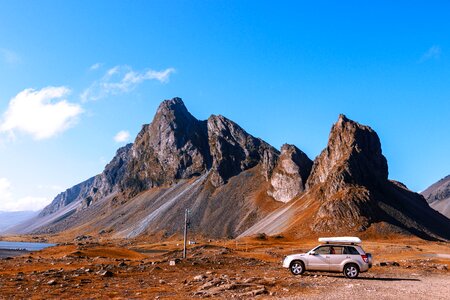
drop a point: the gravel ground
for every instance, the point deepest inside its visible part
(413, 286)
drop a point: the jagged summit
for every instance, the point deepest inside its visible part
(233, 150)
(353, 155)
(290, 174)
(173, 146)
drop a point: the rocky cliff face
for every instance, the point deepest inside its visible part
(233, 150)
(353, 156)
(348, 191)
(174, 146)
(438, 196)
(94, 188)
(178, 146)
(350, 165)
(73, 194)
(290, 174)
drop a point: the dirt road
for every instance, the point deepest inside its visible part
(386, 286)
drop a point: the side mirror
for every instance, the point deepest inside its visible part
(312, 253)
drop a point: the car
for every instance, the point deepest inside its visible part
(334, 254)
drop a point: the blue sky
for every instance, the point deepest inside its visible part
(73, 74)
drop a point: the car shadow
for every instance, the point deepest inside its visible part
(367, 278)
(387, 279)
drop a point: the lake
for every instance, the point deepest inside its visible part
(24, 245)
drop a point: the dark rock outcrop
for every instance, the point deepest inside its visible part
(290, 174)
(174, 146)
(233, 150)
(353, 156)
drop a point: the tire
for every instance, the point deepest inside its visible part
(297, 267)
(351, 270)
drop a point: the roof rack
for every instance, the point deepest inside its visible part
(342, 239)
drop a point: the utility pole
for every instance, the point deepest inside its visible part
(186, 223)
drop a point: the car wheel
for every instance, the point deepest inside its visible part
(351, 271)
(297, 267)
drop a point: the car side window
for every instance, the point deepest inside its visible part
(323, 250)
(351, 250)
(336, 250)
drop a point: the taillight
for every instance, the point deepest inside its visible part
(365, 258)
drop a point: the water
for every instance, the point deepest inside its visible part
(23, 245)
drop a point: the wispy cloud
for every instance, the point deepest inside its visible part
(122, 79)
(95, 66)
(40, 113)
(9, 56)
(122, 136)
(434, 52)
(10, 203)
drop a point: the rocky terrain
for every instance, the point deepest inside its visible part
(348, 190)
(438, 196)
(235, 184)
(244, 269)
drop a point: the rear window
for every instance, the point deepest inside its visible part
(350, 250)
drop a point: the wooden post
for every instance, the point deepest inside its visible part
(185, 232)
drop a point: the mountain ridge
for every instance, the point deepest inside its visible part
(233, 182)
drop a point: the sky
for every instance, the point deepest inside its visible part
(78, 79)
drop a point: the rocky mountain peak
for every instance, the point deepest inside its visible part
(233, 150)
(173, 146)
(353, 155)
(290, 174)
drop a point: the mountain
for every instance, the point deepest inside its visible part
(9, 219)
(235, 184)
(438, 196)
(348, 191)
(213, 167)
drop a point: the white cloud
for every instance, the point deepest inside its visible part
(36, 112)
(122, 79)
(122, 136)
(9, 203)
(8, 56)
(433, 53)
(95, 66)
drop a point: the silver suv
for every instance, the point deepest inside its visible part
(346, 257)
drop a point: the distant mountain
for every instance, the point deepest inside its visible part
(235, 184)
(9, 219)
(438, 196)
(348, 191)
